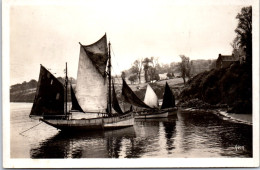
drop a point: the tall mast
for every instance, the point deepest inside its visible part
(66, 88)
(109, 81)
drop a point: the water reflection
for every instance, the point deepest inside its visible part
(203, 131)
(99, 144)
(156, 136)
(170, 132)
(187, 134)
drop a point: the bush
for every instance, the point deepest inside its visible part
(222, 86)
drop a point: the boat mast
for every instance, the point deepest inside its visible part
(66, 88)
(109, 81)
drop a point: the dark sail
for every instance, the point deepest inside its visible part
(115, 103)
(74, 101)
(168, 98)
(131, 97)
(49, 97)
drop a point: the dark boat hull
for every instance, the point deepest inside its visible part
(100, 123)
(172, 111)
(148, 115)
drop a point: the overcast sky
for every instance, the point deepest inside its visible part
(48, 34)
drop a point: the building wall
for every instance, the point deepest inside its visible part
(226, 64)
(224, 61)
(218, 63)
(163, 76)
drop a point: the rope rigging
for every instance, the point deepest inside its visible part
(30, 128)
(118, 79)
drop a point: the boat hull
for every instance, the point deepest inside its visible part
(172, 111)
(100, 123)
(163, 114)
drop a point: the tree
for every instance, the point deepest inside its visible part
(32, 84)
(132, 78)
(170, 75)
(151, 66)
(146, 66)
(165, 68)
(153, 70)
(123, 75)
(137, 68)
(243, 38)
(156, 77)
(153, 74)
(185, 67)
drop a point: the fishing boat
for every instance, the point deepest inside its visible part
(149, 108)
(94, 94)
(168, 103)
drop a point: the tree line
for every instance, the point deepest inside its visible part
(242, 43)
(151, 69)
(242, 48)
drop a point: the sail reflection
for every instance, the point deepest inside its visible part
(170, 132)
(99, 144)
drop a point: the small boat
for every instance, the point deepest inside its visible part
(147, 114)
(168, 103)
(94, 94)
(149, 108)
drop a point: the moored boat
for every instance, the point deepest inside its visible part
(149, 114)
(99, 123)
(171, 111)
(149, 108)
(94, 93)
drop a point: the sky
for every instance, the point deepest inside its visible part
(49, 33)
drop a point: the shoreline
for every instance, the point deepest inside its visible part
(237, 118)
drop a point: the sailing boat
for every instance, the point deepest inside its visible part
(168, 103)
(94, 93)
(149, 108)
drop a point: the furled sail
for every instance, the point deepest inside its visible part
(115, 103)
(49, 97)
(168, 98)
(131, 97)
(74, 101)
(91, 87)
(151, 98)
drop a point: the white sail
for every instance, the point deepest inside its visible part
(91, 87)
(151, 98)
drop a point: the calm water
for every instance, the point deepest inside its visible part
(188, 134)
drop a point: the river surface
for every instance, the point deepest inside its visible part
(185, 135)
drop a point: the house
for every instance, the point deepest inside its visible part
(224, 61)
(163, 76)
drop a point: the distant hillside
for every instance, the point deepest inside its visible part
(231, 86)
(25, 92)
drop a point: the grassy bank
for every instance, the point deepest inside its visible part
(230, 87)
(175, 84)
